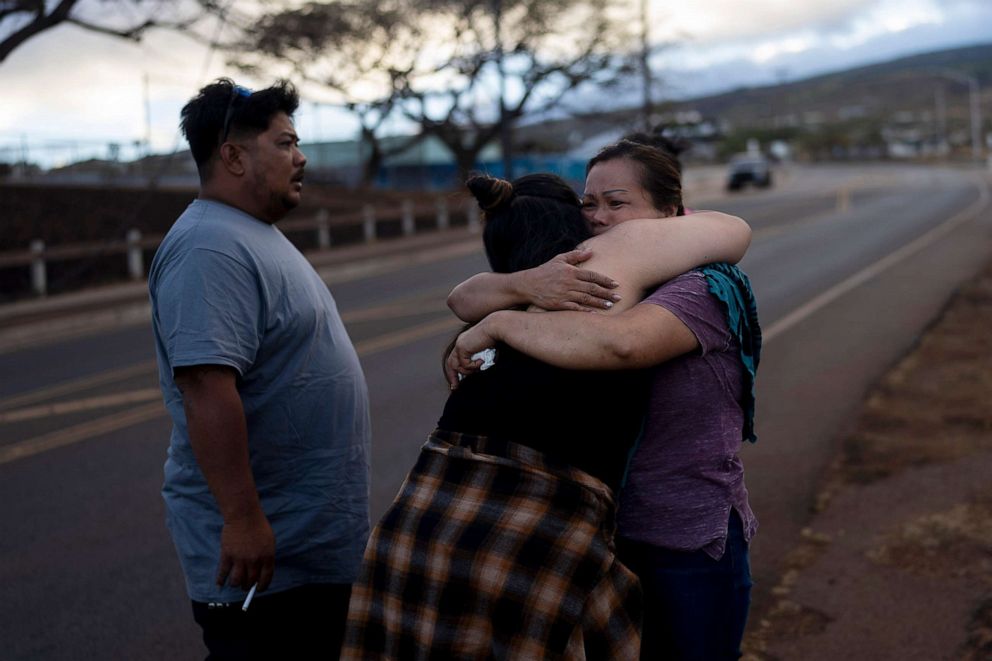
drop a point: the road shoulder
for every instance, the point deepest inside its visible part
(897, 560)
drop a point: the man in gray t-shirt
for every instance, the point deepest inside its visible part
(266, 481)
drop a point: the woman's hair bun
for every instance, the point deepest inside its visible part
(658, 140)
(490, 192)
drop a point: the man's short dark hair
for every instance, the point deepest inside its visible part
(250, 114)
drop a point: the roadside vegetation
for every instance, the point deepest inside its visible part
(930, 409)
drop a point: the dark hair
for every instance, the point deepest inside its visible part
(658, 140)
(528, 221)
(661, 175)
(203, 117)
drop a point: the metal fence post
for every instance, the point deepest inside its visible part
(135, 258)
(443, 220)
(323, 230)
(409, 225)
(474, 224)
(368, 224)
(39, 278)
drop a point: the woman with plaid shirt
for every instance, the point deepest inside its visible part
(684, 523)
(500, 542)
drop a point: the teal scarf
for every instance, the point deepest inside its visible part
(732, 288)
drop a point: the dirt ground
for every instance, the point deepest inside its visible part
(897, 561)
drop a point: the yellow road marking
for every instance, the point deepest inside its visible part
(434, 303)
(82, 383)
(864, 275)
(844, 199)
(780, 228)
(396, 339)
(75, 406)
(406, 336)
(80, 432)
(122, 420)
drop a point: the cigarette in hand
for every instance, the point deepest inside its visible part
(251, 594)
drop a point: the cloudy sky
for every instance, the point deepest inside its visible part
(68, 92)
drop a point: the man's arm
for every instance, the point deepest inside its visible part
(218, 433)
(558, 284)
(643, 336)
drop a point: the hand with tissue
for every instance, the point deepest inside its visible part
(474, 351)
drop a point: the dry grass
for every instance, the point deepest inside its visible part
(788, 619)
(979, 644)
(956, 542)
(934, 406)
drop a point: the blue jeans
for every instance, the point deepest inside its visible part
(695, 607)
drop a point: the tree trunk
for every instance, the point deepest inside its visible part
(374, 160)
(506, 144)
(372, 165)
(465, 160)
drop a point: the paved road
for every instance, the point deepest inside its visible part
(849, 265)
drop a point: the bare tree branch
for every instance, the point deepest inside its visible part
(40, 19)
(37, 25)
(464, 71)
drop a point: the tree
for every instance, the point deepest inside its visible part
(464, 71)
(20, 20)
(356, 49)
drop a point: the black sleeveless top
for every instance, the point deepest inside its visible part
(587, 419)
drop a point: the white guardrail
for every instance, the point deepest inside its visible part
(38, 255)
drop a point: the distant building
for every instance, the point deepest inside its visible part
(426, 164)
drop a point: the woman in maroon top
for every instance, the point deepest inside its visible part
(684, 521)
(500, 542)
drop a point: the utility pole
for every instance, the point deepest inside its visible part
(941, 103)
(148, 114)
(976, 119)
(974, 93)
(645, 67)
(505, 130)
(317, 135)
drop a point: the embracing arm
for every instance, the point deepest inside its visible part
(558, 284)
(642, 254)
(640, 337)
(638, 254)
(218, 433)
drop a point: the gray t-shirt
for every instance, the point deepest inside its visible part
(685, 475)
(228, 289)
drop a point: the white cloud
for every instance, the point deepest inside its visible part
(890, 16)
(769, 50)
(713, 21)
(771, 33)
(95, 94)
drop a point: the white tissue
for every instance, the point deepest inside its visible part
(487, 356)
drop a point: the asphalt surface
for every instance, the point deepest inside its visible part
(849, 265)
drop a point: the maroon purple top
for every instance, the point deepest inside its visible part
(685, 474)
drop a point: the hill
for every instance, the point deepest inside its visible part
(915, 92)
(906, 84)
